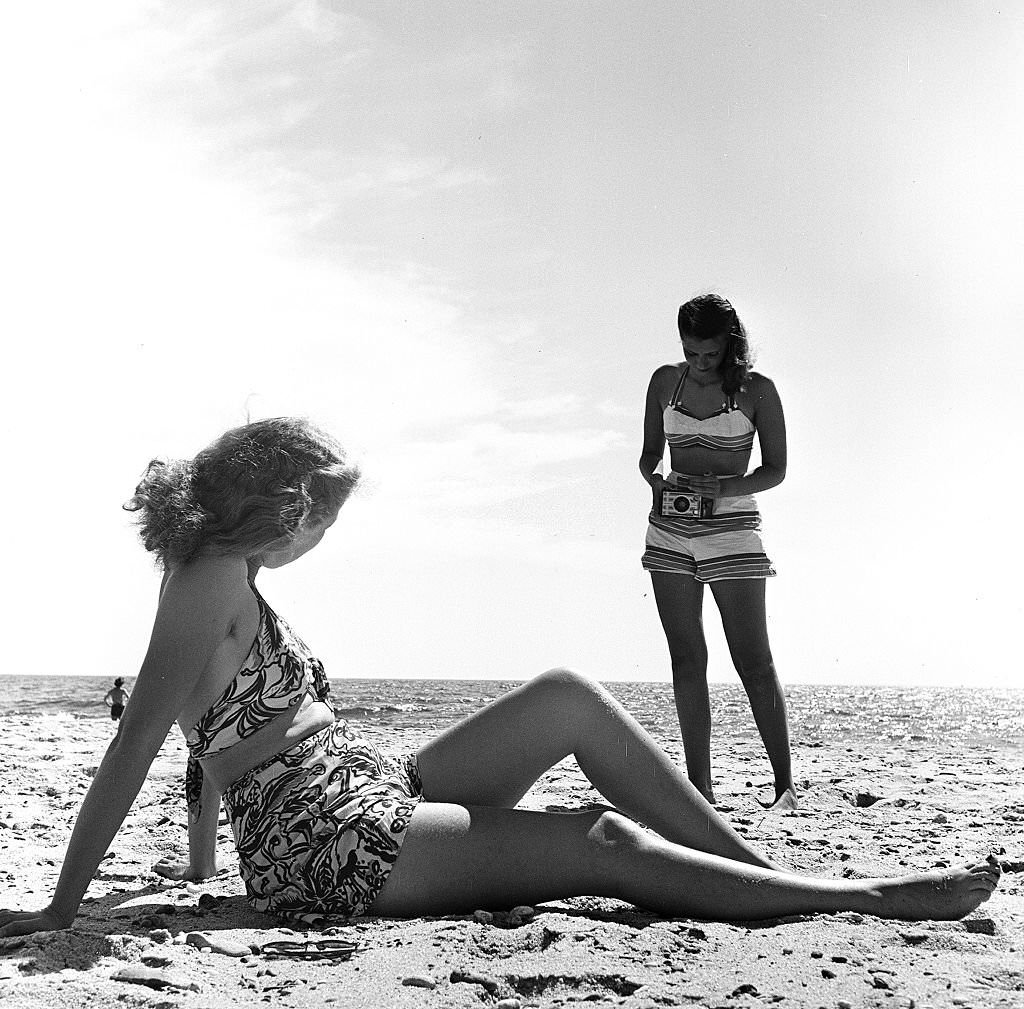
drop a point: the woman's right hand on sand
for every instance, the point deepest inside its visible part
(14, 923)
(175, 868)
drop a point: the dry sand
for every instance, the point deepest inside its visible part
(864, 813)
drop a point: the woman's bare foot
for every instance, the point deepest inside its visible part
(176, 869)
(944, 894)
(785, 801)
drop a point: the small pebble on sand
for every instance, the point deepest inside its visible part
(216, 944)
(419, 981)
(157, 979)
(980, 926)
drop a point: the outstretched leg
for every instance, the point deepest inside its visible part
(741, 603)
(458, 858)
(680, 601)
(494, 756)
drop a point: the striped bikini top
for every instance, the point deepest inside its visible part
(277, 673)
(727, 430)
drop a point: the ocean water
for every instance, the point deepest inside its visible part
(833, 714)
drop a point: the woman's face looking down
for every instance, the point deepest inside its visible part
(291, 548)
(705, 356)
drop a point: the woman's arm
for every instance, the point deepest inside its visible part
(202, 834)
(194, 617)
(203, 818)
(771, 435)
(654, 426)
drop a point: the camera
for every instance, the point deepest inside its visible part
(684, 503)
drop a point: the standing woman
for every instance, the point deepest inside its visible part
(704, 526)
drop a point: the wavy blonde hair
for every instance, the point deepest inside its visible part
(254, 485)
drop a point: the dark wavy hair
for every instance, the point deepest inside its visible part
(254, 485)
(705, 318)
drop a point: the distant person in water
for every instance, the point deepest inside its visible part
(325, 823)
(117, 698)
(704, 526)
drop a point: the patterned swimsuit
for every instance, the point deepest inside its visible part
(319, 825)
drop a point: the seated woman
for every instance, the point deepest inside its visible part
(325, 824)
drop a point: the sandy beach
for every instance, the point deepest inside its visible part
(137, 939)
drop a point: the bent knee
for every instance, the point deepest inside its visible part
(564, 678)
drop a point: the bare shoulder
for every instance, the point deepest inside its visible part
(664, 380)
(758, 388)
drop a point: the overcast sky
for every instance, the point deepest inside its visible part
(456, 235)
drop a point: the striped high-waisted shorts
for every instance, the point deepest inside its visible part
(319, 826)
(726, 545)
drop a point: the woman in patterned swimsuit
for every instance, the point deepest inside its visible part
(325, 824)
(708, 409)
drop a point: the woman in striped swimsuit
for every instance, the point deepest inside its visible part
(707, 409)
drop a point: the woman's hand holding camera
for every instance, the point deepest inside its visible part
(658, 484)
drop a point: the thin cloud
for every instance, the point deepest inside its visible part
(562, 405)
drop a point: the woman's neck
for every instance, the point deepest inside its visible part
(709, 381)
